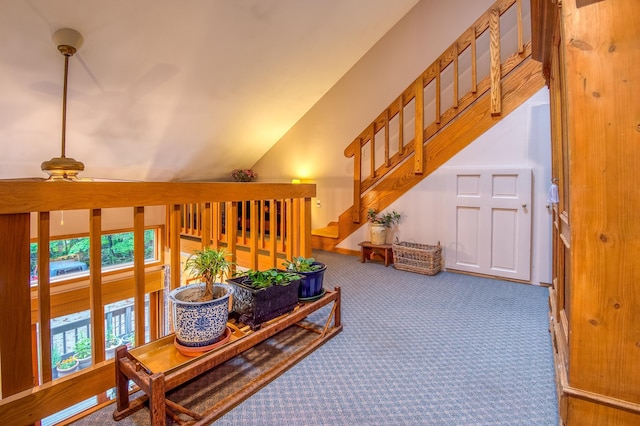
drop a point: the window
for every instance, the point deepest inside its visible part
(69, 257)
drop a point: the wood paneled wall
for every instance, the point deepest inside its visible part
(591, 55)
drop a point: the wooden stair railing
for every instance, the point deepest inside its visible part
(443, 75)
(459, 68)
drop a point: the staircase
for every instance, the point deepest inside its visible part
(508, 81)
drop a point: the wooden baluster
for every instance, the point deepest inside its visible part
(474, 63)
(174, 235)
(438, 88)
(386, 138)
(289, 228)
(520, 29)
(401, 125)
(357, 184)
(44, 295)
(418, 165)
(232, 231)
(253, 233)
(494, 49)
(95, 286)
(455, 75)
(273, 233)
(305, 227)
(214, 224)
(205, 223)
(138, 273)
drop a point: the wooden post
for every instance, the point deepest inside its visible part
(16, 372)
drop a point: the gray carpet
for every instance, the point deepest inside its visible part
(415, 350)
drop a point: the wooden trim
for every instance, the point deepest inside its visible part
(46, 196)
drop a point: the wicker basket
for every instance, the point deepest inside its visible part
(420, 258)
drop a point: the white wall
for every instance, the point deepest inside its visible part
(522, 139)
(313, 149)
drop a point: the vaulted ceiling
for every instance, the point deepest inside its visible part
(172, 90)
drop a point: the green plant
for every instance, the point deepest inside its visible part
(111, 340)
(386, 219)
(301, 264)
(208, 264)
(243, 175)
(82, 348)
(263, 279)
(68, 363)
(55, 355)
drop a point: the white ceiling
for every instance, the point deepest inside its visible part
(172, 90)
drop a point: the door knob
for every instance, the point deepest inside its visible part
(524, 206)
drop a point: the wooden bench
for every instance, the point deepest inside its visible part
(158, 367)
(371, 251)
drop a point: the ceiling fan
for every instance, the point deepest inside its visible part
(64, 168)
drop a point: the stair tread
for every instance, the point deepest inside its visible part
(327, 231)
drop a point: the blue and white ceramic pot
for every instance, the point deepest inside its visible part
(198, 324)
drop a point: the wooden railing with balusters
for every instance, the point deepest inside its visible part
(390, 132)
(25, 358)
(230, 224)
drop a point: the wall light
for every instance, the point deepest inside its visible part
(295, 180)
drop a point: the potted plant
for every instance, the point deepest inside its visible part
(55, 360)
(312, 273)
(111, 342)
(379, 225)
(261, 296)
(67, 366)
(129, 340)
(243, 175)
(82, 352)
(200, 311)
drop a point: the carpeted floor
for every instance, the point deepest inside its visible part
(415, 350)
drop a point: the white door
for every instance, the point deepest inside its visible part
(490, 231)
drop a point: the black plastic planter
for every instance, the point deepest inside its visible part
(257, 305)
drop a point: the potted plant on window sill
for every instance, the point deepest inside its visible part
(312, 273)
(110, 344)
(201, 310)
(261, 296)
(67, 366)
(379, 223)
(82, 352)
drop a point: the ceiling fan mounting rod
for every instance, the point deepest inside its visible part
(64, 103)
(62, 168)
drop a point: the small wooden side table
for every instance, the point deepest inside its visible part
(371, 251)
